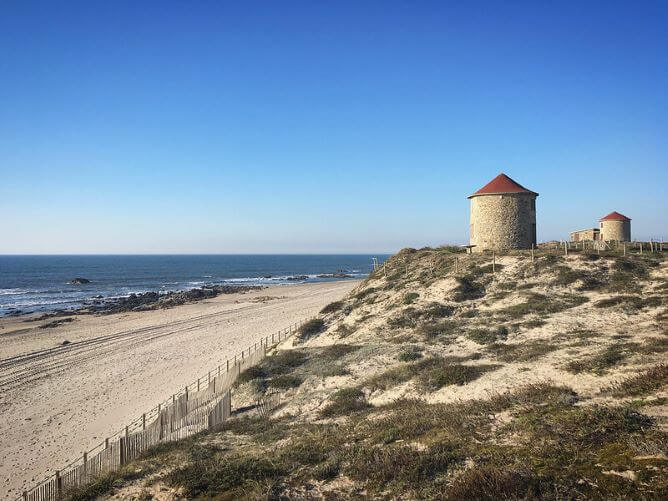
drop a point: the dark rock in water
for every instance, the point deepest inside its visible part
(99, 296)
(335, 275)
(298, 277)
(79, 281)
(267, 276)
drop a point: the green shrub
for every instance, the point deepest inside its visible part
(435, 373)
(492, 483)
(627, 273)
(484, 336)
(399, 465)
(410, 354)
(283, 362)
(644, 383)
(630, 303)
(345, 402)
(250, 374)
(527, 351)
(437, 310)
(540, 304)
(286, 381)
(433, 330)
(310, 329)
(213, 476)
(407, 318)
(332, 307)
(600, 362)
(468, 289)
(344, 330)
(364, 293)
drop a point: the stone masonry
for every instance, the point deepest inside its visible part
(616, 230)
(503, 221)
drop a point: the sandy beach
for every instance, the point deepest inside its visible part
(56, 405)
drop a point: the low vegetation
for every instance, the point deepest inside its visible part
(641, 384)
(602, 361)
(310, 329)
(415, 410)
(468, 289)
(332, 307)
(487, 336)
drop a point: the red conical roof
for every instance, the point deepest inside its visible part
(502, 184)
(615, 216)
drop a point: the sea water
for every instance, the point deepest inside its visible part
(41, 283)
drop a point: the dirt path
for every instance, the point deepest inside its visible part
(57, 400)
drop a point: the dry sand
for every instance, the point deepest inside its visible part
(57, 405)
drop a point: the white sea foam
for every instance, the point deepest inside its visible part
(13, 292)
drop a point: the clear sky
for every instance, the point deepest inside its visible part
(324, 127)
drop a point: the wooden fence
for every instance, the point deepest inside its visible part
(202, 405)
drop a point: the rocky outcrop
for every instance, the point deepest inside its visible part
(156, 300)
(79, 281)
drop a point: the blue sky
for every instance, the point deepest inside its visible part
(234, 127)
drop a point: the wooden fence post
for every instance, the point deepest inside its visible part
(641, 247)
(25, 495)
(143, 421)
(85, 467)
(198, 384)
(106, 443)
(186, 393)
(228, 366)
(121, 442)
(59, 485)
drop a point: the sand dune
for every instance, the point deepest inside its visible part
(57, 400)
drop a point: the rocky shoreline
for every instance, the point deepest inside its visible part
(151, 300)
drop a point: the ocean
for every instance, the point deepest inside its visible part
(40, 283)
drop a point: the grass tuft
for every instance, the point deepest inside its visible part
(485, 336)
(644, 383)
(468, 289)
(332, 307)
(345, 402)
(310, 329)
